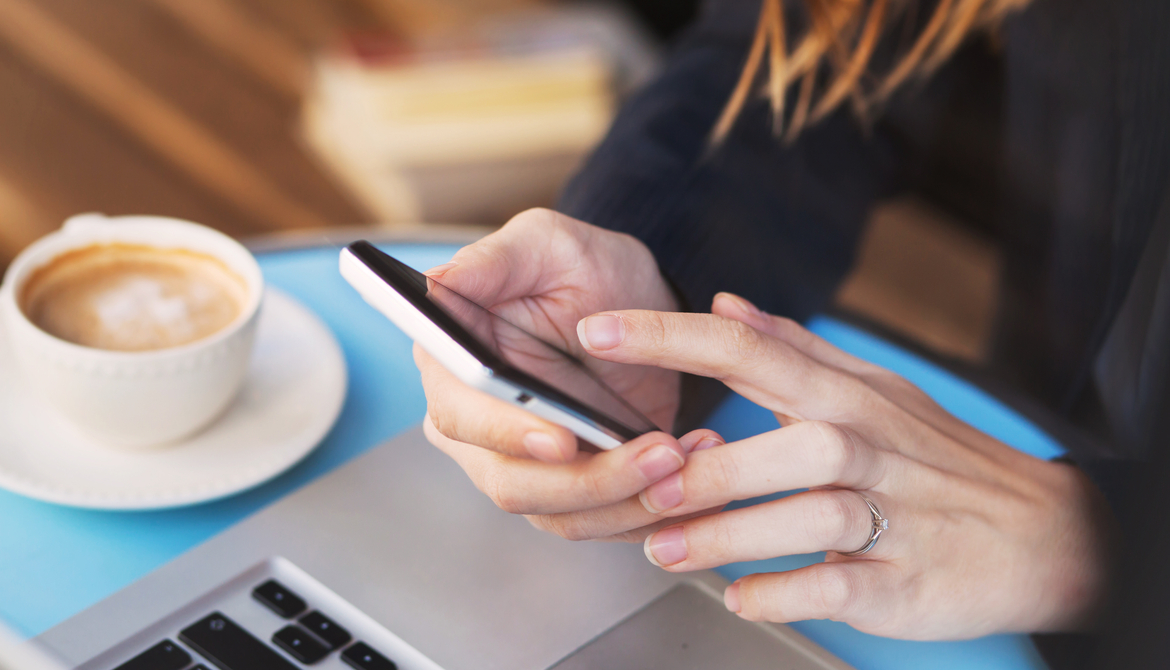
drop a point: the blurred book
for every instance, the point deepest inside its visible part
(476, 126)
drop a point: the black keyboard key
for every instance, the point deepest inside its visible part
(300, 645)
(200, 667)
(362, 657)
(323, 627)
(279, 599)
(221, 641)
(165, 655)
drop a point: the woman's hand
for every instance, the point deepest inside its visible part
(543, 272)
(982, 538)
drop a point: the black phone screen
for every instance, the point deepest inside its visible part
(540, 368)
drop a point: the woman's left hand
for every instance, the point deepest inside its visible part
(982, 538)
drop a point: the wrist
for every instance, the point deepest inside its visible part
(1083, 572)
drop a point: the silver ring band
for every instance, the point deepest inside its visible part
(880, 524)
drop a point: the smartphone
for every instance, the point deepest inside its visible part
(486, 352)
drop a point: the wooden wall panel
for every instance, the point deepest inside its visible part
(177, 107)
(212, 89)
(63, 158)
(316, 23)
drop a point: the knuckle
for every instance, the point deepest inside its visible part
(742, 339)
(751, 599)
(496, 485)
(565, 235)
(861, 394)
(437, 408)
(834, 517)
(442, 420)
(720, 474)
(491, 432)
(831, 591)
(724, 537)
(499, 437)
(593, 486)
(835, 447)
(762, 598)
(569, 526)
(653, 330)
(631, 244)
(888, 382)
(740, 346)
(534, 217)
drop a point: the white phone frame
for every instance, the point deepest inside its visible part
(460, 362)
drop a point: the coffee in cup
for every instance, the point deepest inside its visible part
(129, 297)
(137, 329)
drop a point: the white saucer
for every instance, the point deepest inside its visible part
(293, 393)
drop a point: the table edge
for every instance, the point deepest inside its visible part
(421, 233)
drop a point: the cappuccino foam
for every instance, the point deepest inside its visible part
(126, 297)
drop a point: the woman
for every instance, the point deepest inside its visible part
(1047, 119)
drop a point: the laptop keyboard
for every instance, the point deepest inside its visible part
(275, 597)
(220, 642)
(165, 655)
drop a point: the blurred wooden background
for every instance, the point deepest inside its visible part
(189, 108)
(185, 108)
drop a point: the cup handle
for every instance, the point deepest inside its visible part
(80, 223)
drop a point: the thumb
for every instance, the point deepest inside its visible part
(508, 264)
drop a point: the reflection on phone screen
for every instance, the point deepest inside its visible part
(539, 359)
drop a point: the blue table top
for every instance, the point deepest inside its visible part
(56, 561)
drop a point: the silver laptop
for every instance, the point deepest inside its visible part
(396, 561)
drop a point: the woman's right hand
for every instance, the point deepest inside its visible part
(544, 272)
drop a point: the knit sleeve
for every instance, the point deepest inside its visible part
(774, 222)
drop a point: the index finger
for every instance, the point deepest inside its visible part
(525, 486)
(764, 369)
(803, 340)
(472, 416)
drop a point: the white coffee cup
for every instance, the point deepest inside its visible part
(134, 399)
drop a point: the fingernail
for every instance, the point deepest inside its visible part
(438, 270)
(707, 443)
(663, 495)
(743, 304)
(731, 598)
(666, 547)
(603, 331)
(659, 461)
(543, 447)
(692, 442)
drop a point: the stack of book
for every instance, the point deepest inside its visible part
(474, 127)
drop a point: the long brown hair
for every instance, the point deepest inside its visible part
(832, 57)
